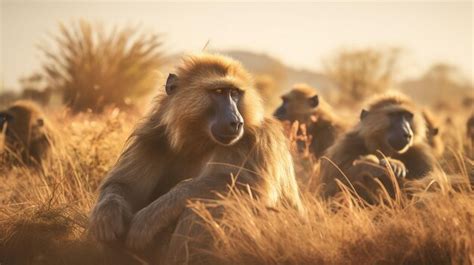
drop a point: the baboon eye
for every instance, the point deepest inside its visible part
(235, 93)
(218, 91)
(409, 116)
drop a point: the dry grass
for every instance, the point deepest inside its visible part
(43, 213)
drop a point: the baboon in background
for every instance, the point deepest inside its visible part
(208, 126)
(27, 133)
(391, 126)
(433, 135)
(303, 104)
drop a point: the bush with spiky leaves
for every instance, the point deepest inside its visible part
(94, 67)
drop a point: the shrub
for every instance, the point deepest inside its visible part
(94, 68)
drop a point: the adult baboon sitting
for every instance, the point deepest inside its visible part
(391, 133)
(209, 126)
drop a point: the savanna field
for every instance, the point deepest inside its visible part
(44, 209)
(44, 212)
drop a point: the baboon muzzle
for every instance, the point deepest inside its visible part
(228, 124)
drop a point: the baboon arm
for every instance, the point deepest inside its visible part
(133, 178)
(126, 189)
(371, 166)
(350, 173)
(365, 166)
(420, 161)
(167, 209)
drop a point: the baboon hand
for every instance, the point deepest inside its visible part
(399, 169)
(142, 230)
(109, 220)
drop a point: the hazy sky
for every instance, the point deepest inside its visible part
(300, 34)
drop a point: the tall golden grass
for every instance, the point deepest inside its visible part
(43, 212)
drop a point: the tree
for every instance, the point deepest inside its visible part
(362, 72)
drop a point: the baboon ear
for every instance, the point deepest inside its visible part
(171, 83)
(363, 114)
(435, 131)
(40, 122)
(314, 101)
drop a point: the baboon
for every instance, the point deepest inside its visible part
(433, 135)
(303, 104)
(205, 133)
(27, 132)
(391, 133)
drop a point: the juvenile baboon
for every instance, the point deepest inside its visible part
(303, 104)
(27, 134)
(208, 127)
(433, 135)
(391, 133)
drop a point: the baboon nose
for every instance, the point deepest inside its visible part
(235, 126)
(407, 136)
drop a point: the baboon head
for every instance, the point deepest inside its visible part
(22, 123)
(391, 124)
(210, 97)
(298, 104)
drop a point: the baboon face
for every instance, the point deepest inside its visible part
(397, 134)
(400, 134)
(297, 105)
(226, 123)
(220, 102)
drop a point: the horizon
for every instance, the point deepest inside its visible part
(428, 32)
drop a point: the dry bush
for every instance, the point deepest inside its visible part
(359, 73)
(94, 68)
